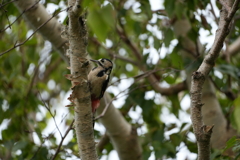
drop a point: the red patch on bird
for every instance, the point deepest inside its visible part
(95, 104)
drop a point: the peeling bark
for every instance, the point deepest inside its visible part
(81, 96)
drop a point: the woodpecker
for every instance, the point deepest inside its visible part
(98, 78)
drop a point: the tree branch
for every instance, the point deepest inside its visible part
(126, 39)
(24, 11)
(53, 115)
(102, 143)
(122, 135)
(213, 12)
(36, 30)
(234, 48)
(174, 89)
(63, 137)
(2, 5)
(203, 132)
(225, 5)
(151, 78)
(112, 54)
(50, 31)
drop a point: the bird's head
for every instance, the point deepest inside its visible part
(104, 63)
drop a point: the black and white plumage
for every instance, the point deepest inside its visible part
(99, 78)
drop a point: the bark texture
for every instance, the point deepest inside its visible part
(51, 31)
(203, 132)
(211, 110)
(81, 97)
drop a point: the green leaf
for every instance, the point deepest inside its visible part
(160, 152)
(146, 153)
(228, 69)
(180, 9)
(147, 107)
(101, 21)
(175, 104)
(56, 12)
(215, 154)
(42, 125)
(157, 43)
(19, 145)
(176, 60)
(193, 34)
(170, 147)
(230, 143)
(32, 41)
(108, 15)
(182, 126)
(158, 135)
(191, 6)
(169, 6)
(146, 7)
(168, 37)
(139, 17)
(237, 156)
(236, 148)
(236, 112)
(170, 79)
(98, 25)
(176, 139)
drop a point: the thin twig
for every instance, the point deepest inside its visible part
(65, 135)
(228, 92)
(116, 97)
(103, 142)
(50, 68)
(5, 11)
(213, 12)
(151, 78)
(38, 149)
(2, 5)
(140, 76)
(36, 70)
(22, 43)
(111, 53)
(9, 26)
(53, 116)
(122, 33)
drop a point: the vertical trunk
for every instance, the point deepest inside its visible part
(211, 110)
(81, 97)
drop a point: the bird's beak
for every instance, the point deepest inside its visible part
(96, 61)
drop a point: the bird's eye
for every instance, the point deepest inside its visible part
(102, 60)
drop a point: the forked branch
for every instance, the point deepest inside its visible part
(203, 132)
